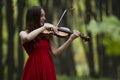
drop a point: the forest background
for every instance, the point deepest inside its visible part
(98, 59)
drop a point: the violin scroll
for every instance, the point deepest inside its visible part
(85, 38)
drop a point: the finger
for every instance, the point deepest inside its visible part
(51, 32)
(55, 30)
(76, 33)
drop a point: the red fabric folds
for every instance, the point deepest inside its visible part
(39, 65)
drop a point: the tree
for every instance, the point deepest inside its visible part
(101, 48)
(11, 32)
(89, 52)
(21, 9)
(1, 41)
(115, 59)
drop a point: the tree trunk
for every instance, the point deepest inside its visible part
(114, 67)
(89, 54)
(116, 8)
(70, 61)
(104, 59)
(100, 48)
(11, 31)
(21, 6)
(116, 59)
(1, 43)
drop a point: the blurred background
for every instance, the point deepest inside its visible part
(98, 59)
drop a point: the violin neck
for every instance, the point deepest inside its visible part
(63, 30)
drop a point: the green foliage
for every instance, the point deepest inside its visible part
(33, 2)
(94, 27)
(112, 46)
(110, 27)
(64, 77)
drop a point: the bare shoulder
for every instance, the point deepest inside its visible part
(22, 33)
(23, 36)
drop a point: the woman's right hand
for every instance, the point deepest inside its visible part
(50, 27)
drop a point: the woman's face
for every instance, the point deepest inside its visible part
(42, 18)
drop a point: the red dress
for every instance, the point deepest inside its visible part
(39, 65)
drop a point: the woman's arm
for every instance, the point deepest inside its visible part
(26, 37)
(56, 51)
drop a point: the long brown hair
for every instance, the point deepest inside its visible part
(33, 18)
(33, 22)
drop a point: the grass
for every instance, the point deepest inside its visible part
(64, 77)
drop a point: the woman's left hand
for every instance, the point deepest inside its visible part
(75, 34)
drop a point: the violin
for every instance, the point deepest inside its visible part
(64, 32)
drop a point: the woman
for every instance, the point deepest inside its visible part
(39, 65)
